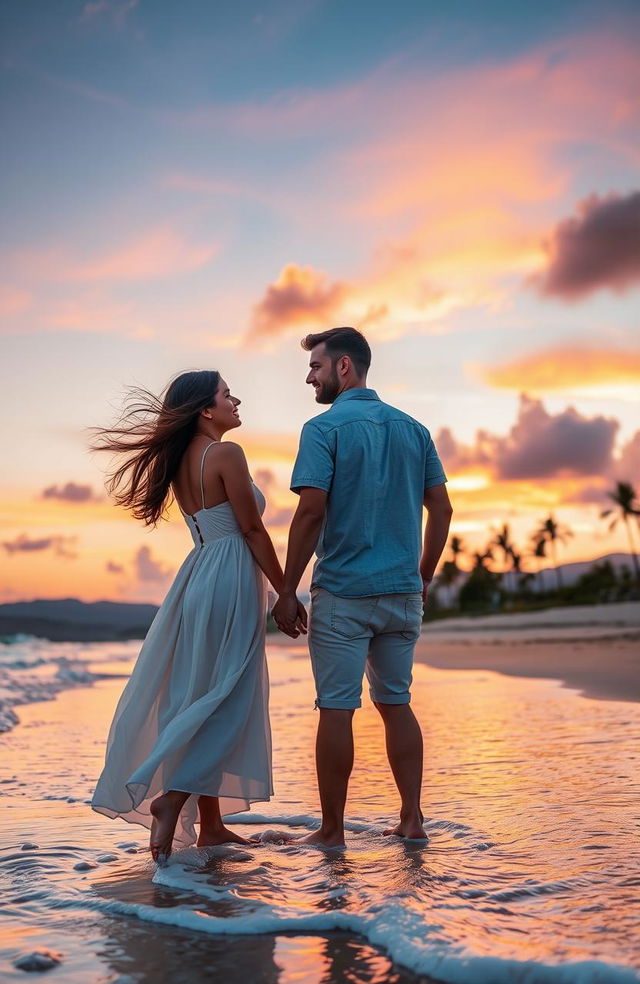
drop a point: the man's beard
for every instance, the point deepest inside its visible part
(329, 390)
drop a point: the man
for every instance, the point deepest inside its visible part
(363, 473)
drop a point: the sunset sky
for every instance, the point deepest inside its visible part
(198, 184)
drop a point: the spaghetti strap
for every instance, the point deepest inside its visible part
(204, 455)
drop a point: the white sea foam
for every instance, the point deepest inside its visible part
(402, 933)
(33, 670)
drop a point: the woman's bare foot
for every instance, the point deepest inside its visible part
(165, 811)
(220, 835)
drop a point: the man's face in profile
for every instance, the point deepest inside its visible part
(322, 375)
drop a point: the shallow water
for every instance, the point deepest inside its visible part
(531, 872)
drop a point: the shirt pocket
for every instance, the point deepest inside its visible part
(351, 617)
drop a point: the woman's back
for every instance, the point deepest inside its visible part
(198, 483)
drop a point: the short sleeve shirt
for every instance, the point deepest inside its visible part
(375, 463)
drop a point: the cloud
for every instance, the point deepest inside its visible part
(300, 296)
(148, 569)
(70, 492)
(59, 545)
(566, 367)
(265, 479)
(599, 247)
(158, 252)
(627, 466)
(111, 11)
(13, 300)
(112, 568)
(539, 445)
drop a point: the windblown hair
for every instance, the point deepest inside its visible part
(150, 438)
(342, 341)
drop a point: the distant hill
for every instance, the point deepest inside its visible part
(571, 572)
(70, 620)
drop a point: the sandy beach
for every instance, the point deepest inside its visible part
(594, 650)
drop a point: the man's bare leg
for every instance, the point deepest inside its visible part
(212, 829)
(404, 751)
(334, 762)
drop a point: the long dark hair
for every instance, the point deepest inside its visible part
(153, 434)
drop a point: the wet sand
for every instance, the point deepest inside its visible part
(612, 674)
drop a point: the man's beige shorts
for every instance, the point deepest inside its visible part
(351, 636)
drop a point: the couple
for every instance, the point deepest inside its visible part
(190, 739)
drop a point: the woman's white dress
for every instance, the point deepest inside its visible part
(194, 714)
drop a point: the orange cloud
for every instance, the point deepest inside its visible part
(565, 367)
(300, 296)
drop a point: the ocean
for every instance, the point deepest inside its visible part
(531, 872)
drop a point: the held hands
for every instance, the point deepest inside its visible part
(290, 615)
(426, 584)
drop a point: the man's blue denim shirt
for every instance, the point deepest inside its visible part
(375, 462)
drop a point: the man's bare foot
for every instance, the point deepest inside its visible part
(165, 811)
(319, 839)
(220, 835)
(409, 830)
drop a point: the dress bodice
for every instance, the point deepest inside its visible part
(217, 522)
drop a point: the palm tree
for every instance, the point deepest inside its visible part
(481, 558)
(624, 496)
(550, 532)
(449, 574)
(539, 552)
(502, 541)
(457, 547)
(516, 566)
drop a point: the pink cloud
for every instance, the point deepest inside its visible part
(70, 492)
(598, 247)
(13, 301)
(26, 544)
(539, 445)
(160, 252)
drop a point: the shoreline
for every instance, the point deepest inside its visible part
(595, 651)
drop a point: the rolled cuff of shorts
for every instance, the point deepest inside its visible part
(391, 698)
(338, 705)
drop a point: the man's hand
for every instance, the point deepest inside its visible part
(290, 615)
(425, 590)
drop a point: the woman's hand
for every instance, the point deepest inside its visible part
(290, 615)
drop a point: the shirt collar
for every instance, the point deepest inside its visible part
(357, 394)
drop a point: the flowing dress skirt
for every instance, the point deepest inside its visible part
(194, 713)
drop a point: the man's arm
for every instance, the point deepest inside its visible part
(303, 537)
(439, 512)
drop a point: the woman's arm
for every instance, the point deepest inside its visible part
(232, 465)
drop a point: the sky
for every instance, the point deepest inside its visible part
(198, 185)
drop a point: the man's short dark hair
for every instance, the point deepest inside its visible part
(342, 341)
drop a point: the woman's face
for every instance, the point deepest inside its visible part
(224, 412)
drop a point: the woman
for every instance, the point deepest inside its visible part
(191, 731)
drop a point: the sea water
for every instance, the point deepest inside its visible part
(531, 872)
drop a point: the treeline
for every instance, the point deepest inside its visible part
(468, 582)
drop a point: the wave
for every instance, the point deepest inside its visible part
(33, 669)
(402, 933)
